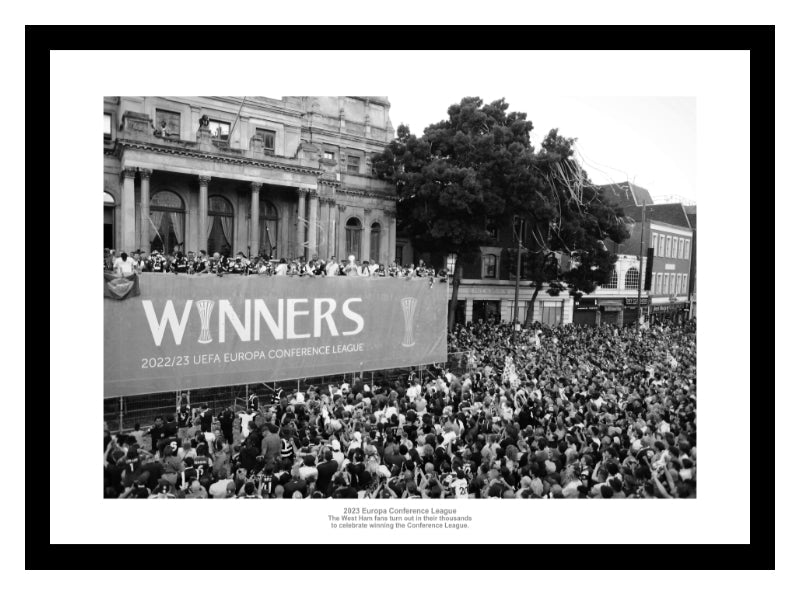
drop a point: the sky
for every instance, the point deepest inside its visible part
(649, 140)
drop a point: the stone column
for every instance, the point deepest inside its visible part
(324, 215)
(392, 236)
(128, 212)
(313, 210)
(341, 233)
(255, 220)
(202, 214)
(385, 255)
(365, 245)
(468, 311)
(145, 229)
(332, 244)
(301, 225)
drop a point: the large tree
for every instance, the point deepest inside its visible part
(462, 171)
(570, 217)
(479, 164)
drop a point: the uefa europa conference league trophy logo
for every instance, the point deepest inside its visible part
(204, 308)
(409, 306)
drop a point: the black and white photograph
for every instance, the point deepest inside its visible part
(460, 310)
(305, 300)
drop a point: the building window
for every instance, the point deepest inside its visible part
(398, 254)
(170, 120)
(654, 244)
(632, 279)
(219, 130)
(108, 220)
(680, 248)
(490, 266)
(672, 284)
(653, 283)
(268, 138)
(219, 226)
(674, 247)
(686, 250)
(659, 280)
(353, 164)
(661, 244)
(613, 281)
(329, 155)
(268, 232)
(669, 246)
(451, 264)
(353, 238)
(167, 222)
(551, 313)
(685, 283)
(375, 242)
(107, 124)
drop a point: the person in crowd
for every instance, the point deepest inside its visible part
(332, 267)
(351, 268)
(124, 265)
(282, 269)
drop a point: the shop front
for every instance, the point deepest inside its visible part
(610, 311)
(631, 309)
(585, 312)
(673, 311)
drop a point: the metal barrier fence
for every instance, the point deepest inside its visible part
(123, 413)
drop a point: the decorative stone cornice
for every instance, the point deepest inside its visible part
(325, 180)
(183, 151)
(128, 172)
(367, 194)
(204, 180)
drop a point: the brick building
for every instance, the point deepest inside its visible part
(669, 233)
(616, 302)
(691, 215)
(288, 177)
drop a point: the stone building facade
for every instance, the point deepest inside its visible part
(289, 177)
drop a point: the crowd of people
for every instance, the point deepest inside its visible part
(561, 412)
(202, 263)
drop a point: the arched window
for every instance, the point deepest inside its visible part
(167, 222)
(108, 220)
(632, 279)
(613, 282)
(375, 242)
(353, 238)
(268, 236)
(220, 226)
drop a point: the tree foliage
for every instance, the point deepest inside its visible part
(479, 163)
